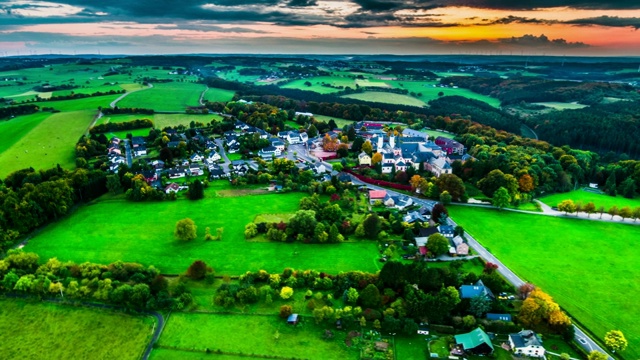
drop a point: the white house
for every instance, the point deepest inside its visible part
(213, 156)
(526, 342)
(269, 152)
(196, 157)
(172, 188)
(364, 159)
(140, 151)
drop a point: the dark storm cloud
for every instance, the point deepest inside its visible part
(532, 41)
(609, 21)
(519, 20)
(302, 3)
(533, 4)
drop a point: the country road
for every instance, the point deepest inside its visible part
(114, 102)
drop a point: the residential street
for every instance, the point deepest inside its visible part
(223, 155)
(127, 149)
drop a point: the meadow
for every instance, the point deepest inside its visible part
(221, 95)
(115, 229)
(41, 144)
(41, 330)
(586, 196)
(430, 92)
(340, 122)
(173, 96)
(561, 105)
(584, 265)
(386, 98)
(161, 121)
(253, 335)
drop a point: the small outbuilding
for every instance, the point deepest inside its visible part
(293, 319)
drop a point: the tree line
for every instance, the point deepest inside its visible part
(13, 111)
(119, 126)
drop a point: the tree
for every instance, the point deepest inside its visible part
(525, 183)
(629, 188)
(352, 295)
(303, 222)
(525, 289)
(286, 292)
(452, 184)
(285, 311)
(356, 146)
(610, 185)
(439, 213)
(615, 340)
(445, 198)
(625, 212)
(501, 198)
(370, 297)
(372, 225)
(250, 230)
(312, 131)
(568, 206)
(589, 208)
(185, 230)
(479, 305)
(437, 244)
(600, 210)
(597, 355)
(198, 269)
(113, 184)
(376, 159)
(539, 308)
(613, 211)
(636, 213)
(367, 147)
(196, 190)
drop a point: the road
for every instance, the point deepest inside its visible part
(127, 149)
(223, 155)
(201, 101)
(581, 338)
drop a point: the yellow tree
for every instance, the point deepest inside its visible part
(525, 183)
(367, 147)
(537, 308)
(615, 340)
(377, 157)
(415, 181)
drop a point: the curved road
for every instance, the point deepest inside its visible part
(114, 102)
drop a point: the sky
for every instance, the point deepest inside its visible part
(490, 27)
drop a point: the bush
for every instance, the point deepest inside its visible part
(285, 311)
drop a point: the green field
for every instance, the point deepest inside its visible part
(339, 122)
(316, 84)
(91, 103)
(111, 230)
(42, 144)
(173, 96)
(40, 330)
(430, 92)
(433, 134)
(585, 265)
(561, 105)
(168, 354)
(221, 95)
(253, 335)
(587, 196)
(386, 98)
(161, 120)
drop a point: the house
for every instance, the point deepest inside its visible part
(178, 172)
(389, 201)
(157, 164)
(423, 236)
(150, 176)
(499, 317)
(475, 342)
(196, 158)
(477, 289)
(423, 329)
(277, 143)
(387, 168)
(172, 188)
(268, 152)
(217, 173)
(402, 202)
(195, 170)
(137, 141)
(364, 159)
(450, 146)
(526, 342)
(439, 166)
(295, 137)
(446, 230)
(319, 168)
(213, 156)
(458, 247)
(140, 150)
(375, 195)
(293, 319)
(413, 216)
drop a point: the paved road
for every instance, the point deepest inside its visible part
(548, 211)
(201, 101)
(223, 155)
(581, 337)
(127, 149)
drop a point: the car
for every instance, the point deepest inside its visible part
(408, 257)
(383, 259)
(511, 297)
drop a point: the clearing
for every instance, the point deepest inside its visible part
(386, 98)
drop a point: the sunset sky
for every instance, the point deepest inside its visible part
(532, 27)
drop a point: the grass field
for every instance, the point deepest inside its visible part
(387, 98)
(173, 96)
(15, 129)
(429, 92)
(582, 264)
(562, 105)
(91, 103)
(111, 230)
(221, 95)
(433, 134)
(44, 145)
(586, 196)
(169, 354)
(40, 330)
(339, 122)
(316, 84)
(253, 334)
(161, 120)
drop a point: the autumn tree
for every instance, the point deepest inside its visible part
(568, 206)
(589, 208)
(615, 340)
(198, 270)
(285, 311)
(439, 213)
(525, 183)
(613, 211)
(367, 147)
(376, 158)
(539, 308)
(185, 230)
(286, 292)
(525, 289)
(625, 212)
(453, 184)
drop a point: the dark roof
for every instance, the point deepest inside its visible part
(426, 232)
(501, 317)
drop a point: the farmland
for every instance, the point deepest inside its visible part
(202, 331)
(39, 330)
(173, 96)
(44, 145)
(95, 233)
(587, 196)
(387, 98)
(161, 121)
(562, 263)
